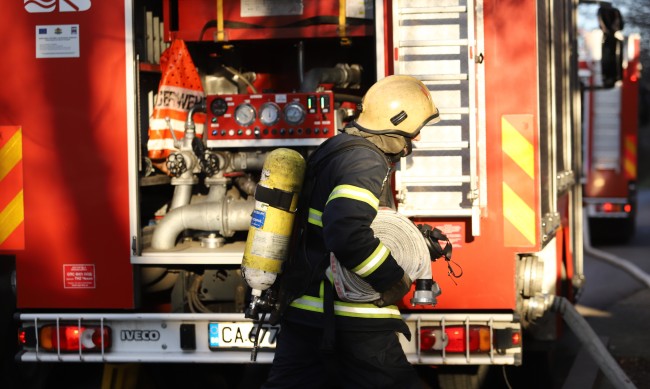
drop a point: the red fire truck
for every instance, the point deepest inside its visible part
(610, 139)
(114, 261)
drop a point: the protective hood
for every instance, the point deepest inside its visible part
(389, 144)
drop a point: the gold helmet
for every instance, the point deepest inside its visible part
(397, 104)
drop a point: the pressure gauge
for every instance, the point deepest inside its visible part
(218, 106)
(245, 114)
(294, 113)
(269, 114)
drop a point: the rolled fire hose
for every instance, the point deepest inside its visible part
(406, 244)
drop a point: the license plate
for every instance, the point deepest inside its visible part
(241, 335)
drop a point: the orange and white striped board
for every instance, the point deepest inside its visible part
(12, 211)
(518, 184)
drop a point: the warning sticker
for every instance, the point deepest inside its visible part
(79, 276)
(454, 232)
(270, 245)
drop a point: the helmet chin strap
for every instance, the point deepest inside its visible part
(408, 148)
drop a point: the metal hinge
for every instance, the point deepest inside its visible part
(550, 223)
(565, 179)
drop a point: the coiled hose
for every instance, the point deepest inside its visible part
(406, 244)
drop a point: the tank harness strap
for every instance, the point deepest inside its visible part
(275, 198)
(329, 333)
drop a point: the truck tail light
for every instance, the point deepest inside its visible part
(461, 339)
(66, 337)
(614, 207)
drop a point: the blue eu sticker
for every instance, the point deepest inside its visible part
(213, 333)
(258, 218)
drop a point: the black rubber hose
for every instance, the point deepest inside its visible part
(590, 340)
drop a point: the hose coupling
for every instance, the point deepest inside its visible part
(426, 291)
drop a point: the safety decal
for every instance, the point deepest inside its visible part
(12, 207)
(517, 139)
(258, 218)
(79, 276)
(271, 246)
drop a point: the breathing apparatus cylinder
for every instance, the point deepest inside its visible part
(269, 234)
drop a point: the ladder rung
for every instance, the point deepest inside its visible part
(433, 10)
(442, 77)
(436, 212)
(425, 146)
(432, 43)
(432, 181)
(460, 110)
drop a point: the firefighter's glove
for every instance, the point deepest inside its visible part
(395, 293)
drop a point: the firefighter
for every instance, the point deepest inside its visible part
(326, 342)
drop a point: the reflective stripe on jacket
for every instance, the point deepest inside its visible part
(341, 308)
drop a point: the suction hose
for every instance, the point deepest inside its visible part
(591, 341)
(608, 365)
(408, 247)
(581, 328)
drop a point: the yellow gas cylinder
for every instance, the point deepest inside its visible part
(276, 200)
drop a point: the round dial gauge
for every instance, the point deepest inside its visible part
(294, 113)
(218, 106)
(269, 114)
(245, 114)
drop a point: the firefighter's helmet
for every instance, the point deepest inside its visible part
(397, 104)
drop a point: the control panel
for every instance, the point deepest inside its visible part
(269, 119)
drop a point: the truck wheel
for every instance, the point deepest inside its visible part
(462, 377)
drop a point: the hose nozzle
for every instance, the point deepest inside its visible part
(426, 291)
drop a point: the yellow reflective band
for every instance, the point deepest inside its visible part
(11, 216)
(518, 148)
(629, 157)
(354, 193)
(341, 308)
(373, 261)
(520, 214)
(315, 217)
(308, 303)
(11, 153)
(366, 310)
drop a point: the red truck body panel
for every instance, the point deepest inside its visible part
(72, 113)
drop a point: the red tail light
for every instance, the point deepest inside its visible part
(23, 337)
(73, 338)
(613, 207)
(461, 339)
(608, 207)
(516, 338)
